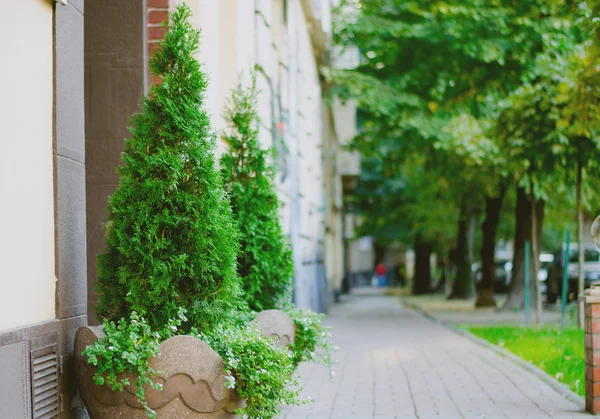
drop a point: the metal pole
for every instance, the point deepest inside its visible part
(527, 291)
(565, 281)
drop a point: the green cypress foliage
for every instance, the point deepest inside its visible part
(265, 262)
(171, 237)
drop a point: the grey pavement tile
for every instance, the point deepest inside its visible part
(394, 362)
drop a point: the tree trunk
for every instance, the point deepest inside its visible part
(422, 279)
(462, 287)
(581, 272)
(523, 218)
(378, 253)
(493, 206)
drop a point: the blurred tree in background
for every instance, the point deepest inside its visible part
(463, 103)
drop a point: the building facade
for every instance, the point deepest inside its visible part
(76, 73)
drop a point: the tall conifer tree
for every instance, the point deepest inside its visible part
(265, 262)
(171, 238)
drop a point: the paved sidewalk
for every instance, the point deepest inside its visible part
(394, 363)
(464, 312)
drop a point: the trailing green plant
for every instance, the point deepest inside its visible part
(171, 237)
(265, 262)
(127, 348)
(261, 373)
(313, 338)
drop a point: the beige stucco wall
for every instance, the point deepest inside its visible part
(27, 293)
(236, 35)
(221, 35)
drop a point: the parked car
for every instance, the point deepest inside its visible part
(546, 260)
(502, 279)
(591, 269)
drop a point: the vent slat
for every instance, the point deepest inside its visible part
(44, 368)
(44, 387)
(50, 400)
(44, 358)
(44, 372)
(44, 380)
(50, 411)
(39, 400)
(49, 361)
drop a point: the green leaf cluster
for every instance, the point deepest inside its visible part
(313, 339)
(265, 262)
(171, 238)
(440, 69)
(553, 118)
(126, 350)
(261, 373)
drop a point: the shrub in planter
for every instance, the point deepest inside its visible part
(170, 235)
(238, 370)
(168, 276)
(265, 262)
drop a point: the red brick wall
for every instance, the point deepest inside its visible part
(158, 11)
(592, 349)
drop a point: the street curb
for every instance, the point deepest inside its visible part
(556, 385)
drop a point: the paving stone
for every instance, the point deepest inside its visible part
(394, 363)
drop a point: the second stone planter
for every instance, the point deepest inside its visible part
(193, 379)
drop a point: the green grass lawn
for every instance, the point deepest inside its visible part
(559, 353)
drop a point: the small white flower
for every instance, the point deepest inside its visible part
(111, 348)
(230, 381)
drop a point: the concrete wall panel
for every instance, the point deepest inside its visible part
(70, 159)
(71, 223)
(13, 404)
(70, 199)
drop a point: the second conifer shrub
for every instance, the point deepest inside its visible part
(171, 239)
(265, 262)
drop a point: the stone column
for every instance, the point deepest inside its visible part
(115, 78)
(591, 302)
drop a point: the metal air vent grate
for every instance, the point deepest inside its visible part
(44, 383)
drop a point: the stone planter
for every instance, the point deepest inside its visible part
(193, 380)
(277, 324)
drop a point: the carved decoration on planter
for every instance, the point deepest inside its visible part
(193, 380)
(277, 324)
(193, 383)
